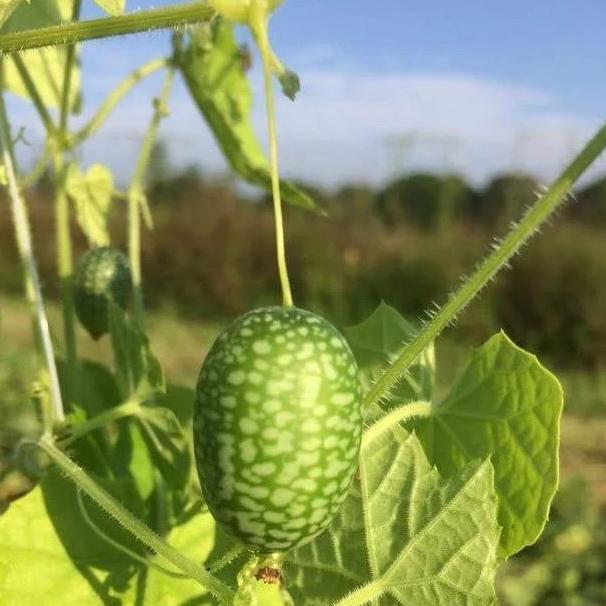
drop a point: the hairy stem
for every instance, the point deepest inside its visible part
(140, 21)
(258, 23)
(394, 417)
(486, 271)
(136, 196)
(32, 281)
(132, 524)
(116, 96)
(226, 558)
(363, 595)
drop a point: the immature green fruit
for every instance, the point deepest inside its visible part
(103, 275)
(277, 427)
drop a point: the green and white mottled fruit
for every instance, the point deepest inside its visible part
(277, 427)
(103, 275)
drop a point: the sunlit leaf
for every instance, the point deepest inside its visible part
(427, 541)
(92, 194)
(76, 567)
(45, 66)
(507, 406)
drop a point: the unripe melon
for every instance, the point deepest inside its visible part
(103, 275)
(277, 427)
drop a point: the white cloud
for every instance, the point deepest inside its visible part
(347, 125)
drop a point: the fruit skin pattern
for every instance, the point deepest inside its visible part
(103, 275)
(277, 427)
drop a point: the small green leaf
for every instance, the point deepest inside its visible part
(428, 541)
(92, 194)
(212, 67)
(138, 371)
(381, 338)
(506, 406)
(46, 66)
(112, 7)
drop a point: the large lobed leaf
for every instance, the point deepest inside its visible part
(46, 66)
(505, 405)
(212, 66)
(429, 542)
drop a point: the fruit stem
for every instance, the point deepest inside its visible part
(128, 521)
(258, 23)
(32, 281)
(502, 253)
(136, 197)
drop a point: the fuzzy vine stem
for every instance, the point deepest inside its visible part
(136, 196)
(32, 281)
(259, 25)
(140, 21)
(128, 521)
(398, 415)
(534, 218)
(115, 97)
(363, 595)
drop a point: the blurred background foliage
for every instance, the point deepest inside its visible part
(210, 257)
(211, 254)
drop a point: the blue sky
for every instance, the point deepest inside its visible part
(477, 87)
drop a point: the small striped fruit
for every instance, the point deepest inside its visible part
(103, 275)
(277, 427)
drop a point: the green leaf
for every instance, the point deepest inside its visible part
(46, 66)
(505, 405)
(138, 371)
(212, 67)
(6, 9)
(75, 567)
(429, 542)
(381, 338)
(92, 194)
(112, 7)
